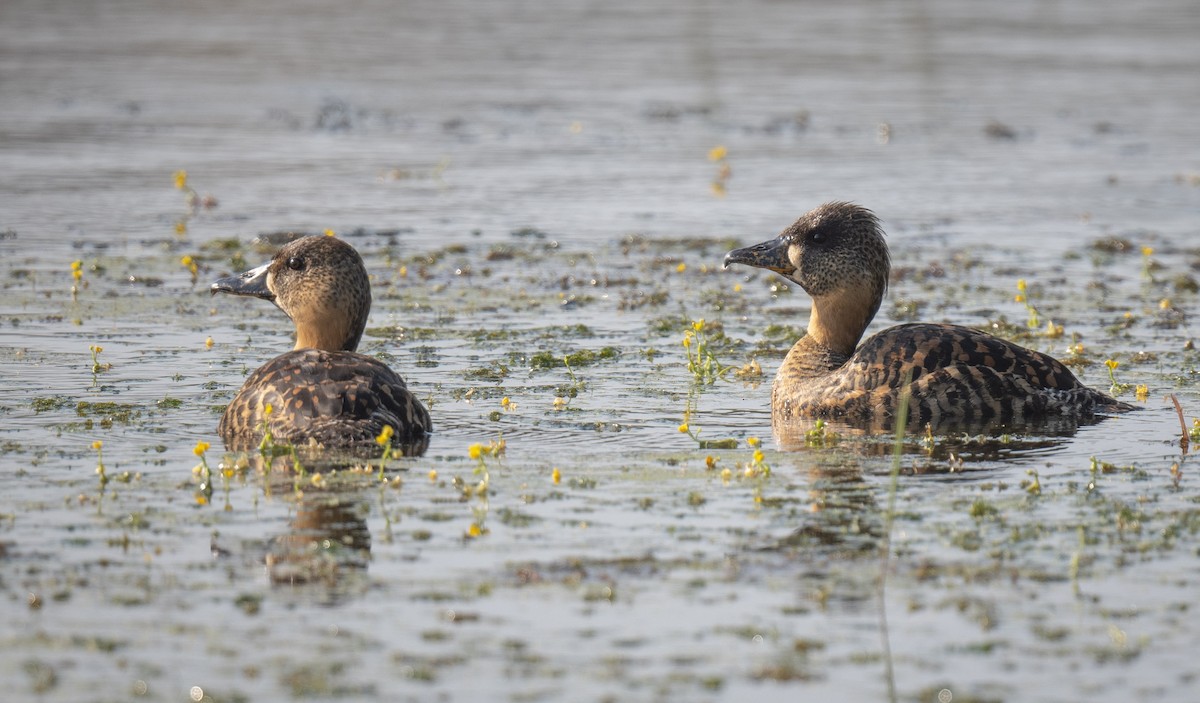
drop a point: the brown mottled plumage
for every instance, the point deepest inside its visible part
(959, 376)
(322, 390)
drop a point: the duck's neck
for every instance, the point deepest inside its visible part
(837, 322)
(335, 335)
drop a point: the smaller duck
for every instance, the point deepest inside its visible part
(322, 390)
(957, 376)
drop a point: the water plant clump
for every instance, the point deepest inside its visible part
(701, 362)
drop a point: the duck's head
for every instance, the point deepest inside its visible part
(322, 285)
(838, 255)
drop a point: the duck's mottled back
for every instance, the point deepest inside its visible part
(322, 391)
(954, 375)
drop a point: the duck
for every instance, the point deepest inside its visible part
(953, 376)
(323, 391)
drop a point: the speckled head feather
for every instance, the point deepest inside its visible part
(838, 255)
(322, 285)
(954, 375)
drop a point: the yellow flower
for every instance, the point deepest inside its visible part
(1111, 364)
(758, 456)
(559, 402)
(726, 474)
(180, 180)
(507, 403)
(208, 343)
(737, 287)
(687, 340)
(681, 267)
(433, 474)
(1021, 285)
(711, 462)
(97, 445)
(717, 153)
(317, 480)
(1147, 251)
(200, 448)
(683, 428)
(268, 410)
(698, 324)
(556, 476)
(181, 227)
(753, 442)
(1164, 304)
(1142, 392)
(474, 531)
(475, 451)
(328, 233)
(95, 348)
(385, 435)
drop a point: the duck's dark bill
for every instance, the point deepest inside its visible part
(252, 283)
(771, 255)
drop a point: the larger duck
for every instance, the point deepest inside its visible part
(956, 375)
(322, 391)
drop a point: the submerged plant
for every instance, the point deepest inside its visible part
(821, 435)
(686, 428)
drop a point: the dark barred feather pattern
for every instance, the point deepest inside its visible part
(959, 376)
(337, 398)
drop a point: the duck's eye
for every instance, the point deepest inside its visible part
(816, 236)
(295, 263)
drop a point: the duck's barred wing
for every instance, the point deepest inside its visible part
(957, 375)
(339, 399)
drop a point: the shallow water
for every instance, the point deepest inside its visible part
(525, 180)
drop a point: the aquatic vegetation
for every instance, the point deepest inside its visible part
(821, 435)
(76, 277)
(1116, 388)
(1033, 322)
(98, 445)
(193, 199)
(757, 465)
(189, 263)
(1032, 485)
(719, 155)
(548, 360)
(480, 453)
(384, 439)
(1148, 264)
(97, 367)
(686, 428)
(205, 490)
(701, 362)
